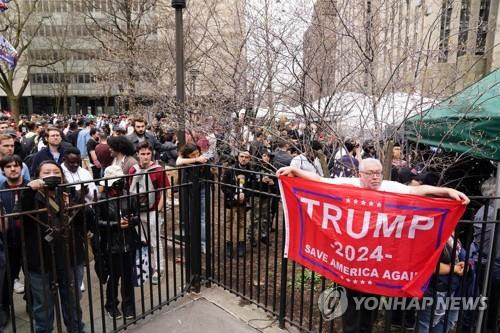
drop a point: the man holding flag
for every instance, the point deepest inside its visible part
(370, 177)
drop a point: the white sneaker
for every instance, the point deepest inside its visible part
(18, 286)
(82, 287)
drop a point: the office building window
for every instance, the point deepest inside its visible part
(444, 34)
(482, 27)
(463, 30)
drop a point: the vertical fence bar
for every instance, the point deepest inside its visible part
(195, 233)
(284, 265)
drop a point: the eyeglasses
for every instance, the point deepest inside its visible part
(372, 173)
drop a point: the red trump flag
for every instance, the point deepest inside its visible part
(372, 241)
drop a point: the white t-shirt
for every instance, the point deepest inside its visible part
(386, 186)
(301, 162)
(81, 175)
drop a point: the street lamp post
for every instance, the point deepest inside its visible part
(179, 5)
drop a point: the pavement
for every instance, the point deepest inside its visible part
(213, 310)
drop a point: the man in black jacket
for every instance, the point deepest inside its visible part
(282, 156)
(54, 150)
(11, 168)
(236, 198)
(139, 135)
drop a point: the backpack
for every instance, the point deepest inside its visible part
(28, 145)
(143, 186)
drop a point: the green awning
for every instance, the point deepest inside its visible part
(467, 122)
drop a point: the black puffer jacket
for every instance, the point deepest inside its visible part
(36, 229)
(110, 237)
(243, 182)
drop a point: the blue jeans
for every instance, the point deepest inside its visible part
(424, 315)
(43, 302)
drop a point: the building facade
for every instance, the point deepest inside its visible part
(94, 56)
(434, 47)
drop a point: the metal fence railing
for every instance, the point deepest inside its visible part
(219, 226)
(290, 291)
(89, 258)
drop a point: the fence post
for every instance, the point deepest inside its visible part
(195, 230)
(284, 278)
(208, 230)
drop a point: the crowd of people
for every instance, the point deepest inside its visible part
(46, 151)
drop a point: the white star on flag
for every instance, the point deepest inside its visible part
(379, 204)
(371, 203)
(348, 200)
(355, 201)
(363, 202)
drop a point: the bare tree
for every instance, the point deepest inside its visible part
(20, 25)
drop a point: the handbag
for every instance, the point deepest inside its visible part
(142, 267)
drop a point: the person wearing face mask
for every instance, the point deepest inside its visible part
(48, 272)
(115, 242)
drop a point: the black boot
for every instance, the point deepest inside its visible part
(229, 249)
(241, 249)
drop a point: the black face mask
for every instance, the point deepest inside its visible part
(118, 185)
(51, 182)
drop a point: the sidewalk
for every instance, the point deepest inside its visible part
(214, 310)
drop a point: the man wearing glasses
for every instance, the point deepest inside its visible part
(370, 177)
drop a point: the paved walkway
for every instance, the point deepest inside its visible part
(214, 310)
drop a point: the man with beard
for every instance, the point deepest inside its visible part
(11, 169)
(140, 135)
(236, 198)
(7, 149)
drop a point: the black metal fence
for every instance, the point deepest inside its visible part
(218, 225)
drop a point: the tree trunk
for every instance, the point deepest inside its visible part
(15, 107)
